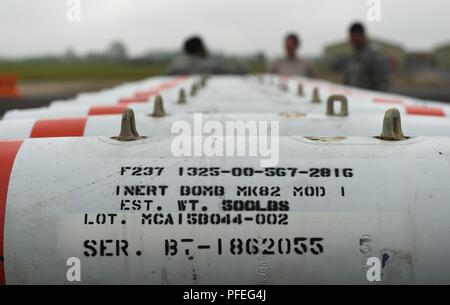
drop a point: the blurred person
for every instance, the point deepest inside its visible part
(291, 64)
(367, 66)
(196, 60)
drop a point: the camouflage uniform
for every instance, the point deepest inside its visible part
(367, 68)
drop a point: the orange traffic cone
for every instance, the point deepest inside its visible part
(8, 87)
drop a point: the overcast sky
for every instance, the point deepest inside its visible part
(36, 27)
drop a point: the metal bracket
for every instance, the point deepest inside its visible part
(344, 105)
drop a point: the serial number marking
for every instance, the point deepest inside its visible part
(213, 219)
(268, 172)
(248, 246)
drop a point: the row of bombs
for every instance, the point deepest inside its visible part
(112, 205)
(153, 119)
(228, 93)
(204, 104)
(243, 102)
(339, 201)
